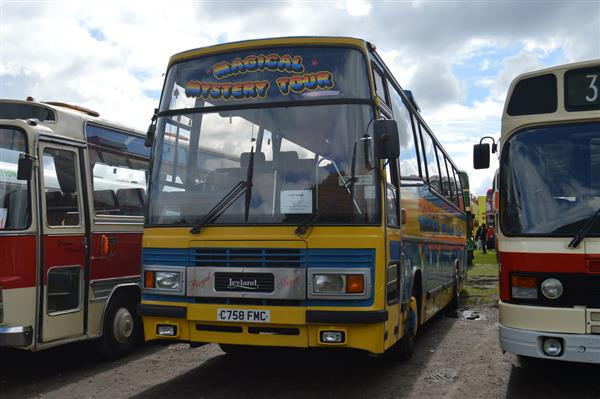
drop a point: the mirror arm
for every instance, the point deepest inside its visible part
(367, 140)
(494, 144)
(151, 129)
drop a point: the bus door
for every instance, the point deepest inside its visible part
(63, 277)
(394, 271)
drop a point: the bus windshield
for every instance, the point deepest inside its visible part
(14, 194)
(308, 158)
(551, 180)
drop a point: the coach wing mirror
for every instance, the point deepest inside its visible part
(385, 139)
(25, 168)
(151, 130)
(481, 153)
(481, 156)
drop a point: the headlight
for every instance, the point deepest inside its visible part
(524, 287)
(334, 283)
(168, 281)
(339, 283)
(163, 280)
(552, 288)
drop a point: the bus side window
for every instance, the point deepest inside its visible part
(451, 181)
(444, 174)
(460, 201)
(119, 164)
(409, 163)
(433, 173)
(60, 187)
(379, 85)
(419, 146)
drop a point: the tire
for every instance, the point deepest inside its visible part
(454, 304)
(405, 347)
(402, 350)
(122, 328)
(529, 362)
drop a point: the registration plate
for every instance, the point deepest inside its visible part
(244, 315)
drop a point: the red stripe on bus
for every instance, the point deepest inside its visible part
(17, 261)
(123, 259)
(536, 262)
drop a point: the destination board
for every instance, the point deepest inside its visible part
(582, 89)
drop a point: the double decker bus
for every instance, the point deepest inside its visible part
(549, 201)
(72, 189)
(327, 216)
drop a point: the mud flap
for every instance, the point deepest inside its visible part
(411, 318)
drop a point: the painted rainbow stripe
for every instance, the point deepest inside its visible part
(261, 62)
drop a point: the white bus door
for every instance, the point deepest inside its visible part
(63, 242)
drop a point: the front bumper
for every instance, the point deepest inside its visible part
(289, 326)
(16, 336)
(583, 348)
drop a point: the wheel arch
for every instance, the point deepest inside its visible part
(131, 289)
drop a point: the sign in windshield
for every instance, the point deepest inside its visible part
(279, 74)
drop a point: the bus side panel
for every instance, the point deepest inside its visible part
(117, 263)
(17, 279)
(123, 258)
(434, 238)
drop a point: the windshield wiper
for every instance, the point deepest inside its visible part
(229, 198)
(221, 206)
(584, 230)
(353, 172)
(305, 224)
(249, 176)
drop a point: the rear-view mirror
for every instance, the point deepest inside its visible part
(481, 156)
(25, 168)
(385, 139)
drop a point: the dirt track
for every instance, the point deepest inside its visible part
(454, 358)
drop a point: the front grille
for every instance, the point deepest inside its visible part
(244, 282)
(165, 256)
(249, 257)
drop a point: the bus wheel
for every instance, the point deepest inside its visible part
(122, 328)
(455, 293)
(404, 348)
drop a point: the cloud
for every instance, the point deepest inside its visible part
(435, 85)
(513, 66)
(111, 55)
(357, 8)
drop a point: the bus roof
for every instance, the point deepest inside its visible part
(66, 119)
(273, 42)
(513, 121)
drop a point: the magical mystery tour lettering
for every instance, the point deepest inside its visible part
(298, 82)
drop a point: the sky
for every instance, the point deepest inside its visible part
(457, 57)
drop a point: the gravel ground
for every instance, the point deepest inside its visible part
(457, 356)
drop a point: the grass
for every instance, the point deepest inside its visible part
(482, 281)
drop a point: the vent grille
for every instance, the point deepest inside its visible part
(341, 257)
(244, 282)
(259, 257)
(170, 256)
(249, 257)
